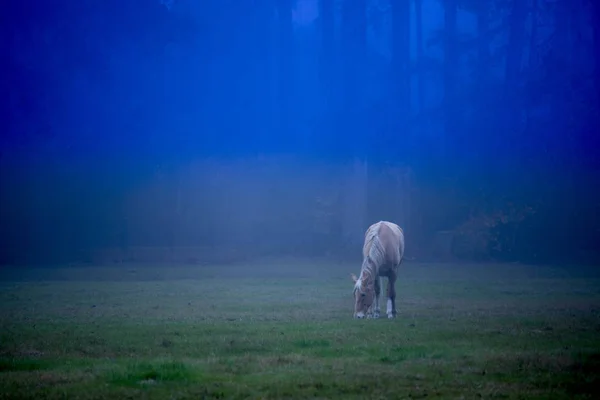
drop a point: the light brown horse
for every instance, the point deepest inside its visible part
(383, 252)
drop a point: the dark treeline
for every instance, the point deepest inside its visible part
(491, 105)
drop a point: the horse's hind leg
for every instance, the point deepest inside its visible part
(391, 296)
(377, 297)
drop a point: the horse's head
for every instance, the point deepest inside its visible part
(364, 294)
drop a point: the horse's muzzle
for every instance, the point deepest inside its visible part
(359, 315)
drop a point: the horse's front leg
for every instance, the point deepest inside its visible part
(377, 297)
(391, 296)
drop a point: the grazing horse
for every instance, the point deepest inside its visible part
(382, 254)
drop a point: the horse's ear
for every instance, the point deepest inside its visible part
(354, 278)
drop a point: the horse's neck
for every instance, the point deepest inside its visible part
(369, 269)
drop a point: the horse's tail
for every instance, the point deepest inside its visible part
(401, 244)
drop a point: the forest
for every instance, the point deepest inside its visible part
(136, 126)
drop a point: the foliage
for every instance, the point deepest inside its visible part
(85, 78)
(491, 233)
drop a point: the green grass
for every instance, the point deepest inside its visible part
(284, 329)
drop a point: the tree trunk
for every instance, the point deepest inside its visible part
(508, 135)
(285, 43)
(596, 28)
(450, 68)
(591, 138)
(482, 79)
(355, 202)
(261, 100)
(354, 49)
(420, 56)
(400, 77)
(483, 42)
(533, 35)
(516, 38)
(326, 59)
(531, 62)
(563, 19)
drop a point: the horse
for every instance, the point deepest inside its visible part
(383, 252)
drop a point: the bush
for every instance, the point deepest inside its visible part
(491, 235)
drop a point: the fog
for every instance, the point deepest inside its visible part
(221, 133)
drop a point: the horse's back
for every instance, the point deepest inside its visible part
(391, 237)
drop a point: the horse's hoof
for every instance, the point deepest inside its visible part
(391, 316)
(376, 316)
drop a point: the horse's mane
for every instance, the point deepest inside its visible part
(373, 253)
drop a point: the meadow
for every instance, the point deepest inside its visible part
(283, 328)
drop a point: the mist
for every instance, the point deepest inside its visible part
(286, 128)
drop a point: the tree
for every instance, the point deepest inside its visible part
(450, 80)
(512, 75)
(326, 53)
(353, 54)
(420, 55)
(483, 42)
(400, 71)
(285, 44)
(354, 51)
(596, 46)
(261, 17)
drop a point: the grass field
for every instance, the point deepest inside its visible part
(284, 329)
